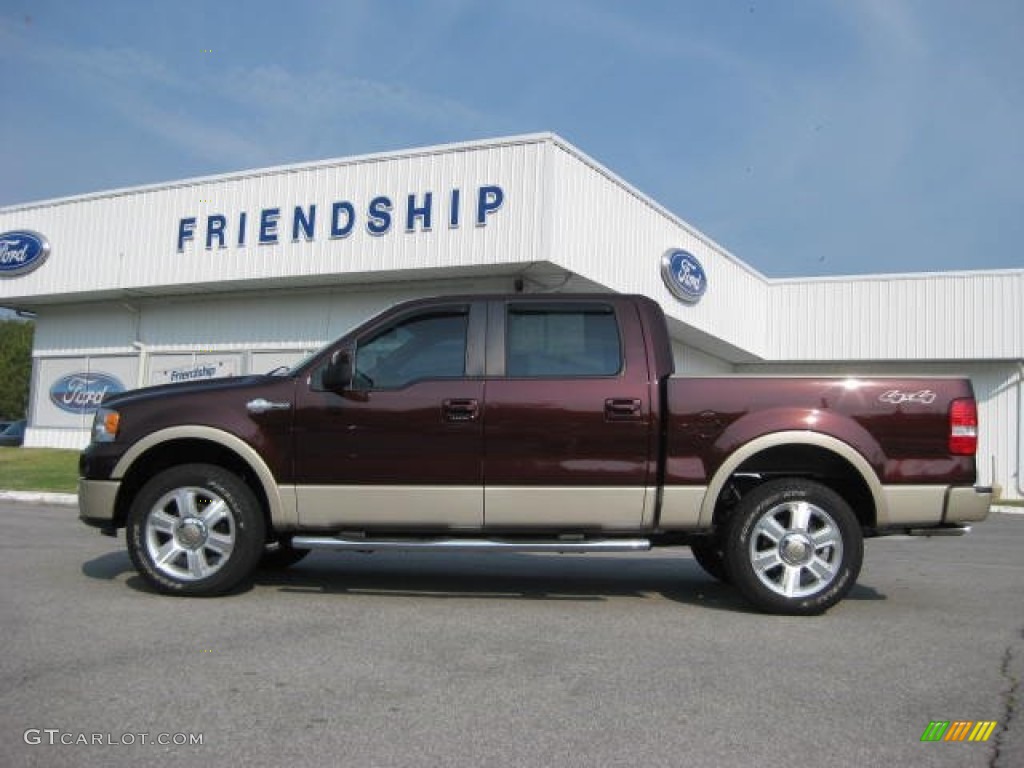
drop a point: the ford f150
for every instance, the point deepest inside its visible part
(530, 423)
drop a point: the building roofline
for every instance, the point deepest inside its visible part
(464, 146)
(540, 137)
(613, 177)
(544, 137)
(889, 276)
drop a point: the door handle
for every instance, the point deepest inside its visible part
(262, 405)
(460, 410)
(622, 408)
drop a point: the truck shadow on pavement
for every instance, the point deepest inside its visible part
(569, 578)
(517, 577)
(109, 566)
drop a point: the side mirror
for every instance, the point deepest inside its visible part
(338, 373)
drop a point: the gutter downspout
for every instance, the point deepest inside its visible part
(1020, 426)
(140, 376)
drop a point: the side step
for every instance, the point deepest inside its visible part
(945, 530)
(338, 543)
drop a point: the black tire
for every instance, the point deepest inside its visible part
(280, 554)
(710, 555)
(195, 529)
(793, 547)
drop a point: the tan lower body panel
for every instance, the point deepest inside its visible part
(680, 507)
(615, 508)
(913, 505)
(387, 505)
(461, 507)
(96, 498)
(968, 505)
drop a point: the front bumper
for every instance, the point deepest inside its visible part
(967, 505)
(96, 502)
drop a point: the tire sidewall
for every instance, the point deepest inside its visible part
(249, 529)
(753, 507)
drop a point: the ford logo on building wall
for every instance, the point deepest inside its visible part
(684, 275)
(21, 252)
(82, 393)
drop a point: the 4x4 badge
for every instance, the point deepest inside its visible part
(898, 396)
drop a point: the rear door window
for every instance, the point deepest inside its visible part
(558, 342)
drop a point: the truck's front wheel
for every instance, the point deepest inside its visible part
(794, 546)
(195, 529)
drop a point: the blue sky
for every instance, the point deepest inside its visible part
(808, 137)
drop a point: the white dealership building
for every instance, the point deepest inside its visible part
(249, 271)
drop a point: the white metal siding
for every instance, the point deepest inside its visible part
(128, 241)
(969, 316)
(601, 228)
(259, 321)
(76, 330)
(67, 439)
(693, 362)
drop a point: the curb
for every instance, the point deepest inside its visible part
(40, 497)
(1007, 510)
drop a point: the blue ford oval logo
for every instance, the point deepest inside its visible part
(684, 275)
(21, 252)
(83, 392)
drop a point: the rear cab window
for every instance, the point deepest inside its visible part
(553, 341)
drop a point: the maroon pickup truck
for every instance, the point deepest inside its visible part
(530, 423)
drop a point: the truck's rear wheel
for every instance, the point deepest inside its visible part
(195, 529)
(793, 546)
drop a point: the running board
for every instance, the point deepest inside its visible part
(946, 530)
(338, 543)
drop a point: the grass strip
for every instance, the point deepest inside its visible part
(38, 469)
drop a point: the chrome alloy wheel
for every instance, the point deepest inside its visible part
(190, 533)
(796, 549)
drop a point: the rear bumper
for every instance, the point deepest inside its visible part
(967, 505)
(96, 499)
(933, 506)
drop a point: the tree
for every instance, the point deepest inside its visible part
(15, 367)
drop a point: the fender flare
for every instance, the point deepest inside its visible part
(794, 437)
(281, 512)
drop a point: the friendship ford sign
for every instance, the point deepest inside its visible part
(22, 252)
(684, 275)
(82, 393)
(198, 372)
(340, 219)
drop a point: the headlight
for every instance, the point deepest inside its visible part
(105, 425)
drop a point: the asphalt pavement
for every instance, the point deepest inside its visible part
(503, 660)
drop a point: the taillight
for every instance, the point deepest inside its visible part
(963, 427)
